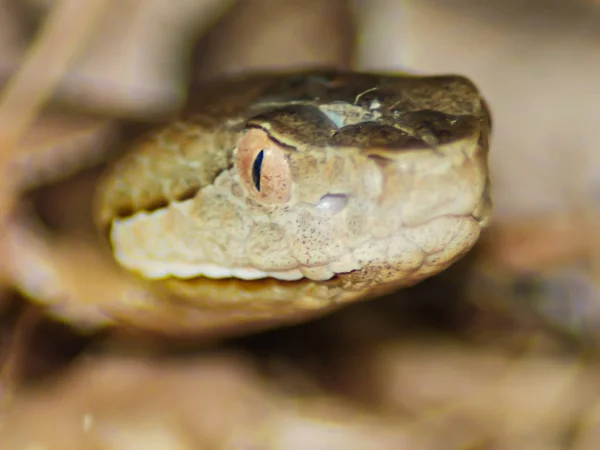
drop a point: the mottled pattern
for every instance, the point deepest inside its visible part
(407, 154)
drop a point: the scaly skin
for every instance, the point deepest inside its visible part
(298, 193)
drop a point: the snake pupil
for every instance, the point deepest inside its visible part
(257, 169)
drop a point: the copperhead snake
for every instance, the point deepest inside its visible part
(279, 197)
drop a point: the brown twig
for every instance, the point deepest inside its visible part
(61, 38)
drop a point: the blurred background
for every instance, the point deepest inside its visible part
(499, 352)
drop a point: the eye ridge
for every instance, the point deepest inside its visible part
(257, 169)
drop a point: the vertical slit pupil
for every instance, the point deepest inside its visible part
(257, 169)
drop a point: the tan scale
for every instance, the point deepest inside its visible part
(280, 197)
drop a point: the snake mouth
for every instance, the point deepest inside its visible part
(432, 244)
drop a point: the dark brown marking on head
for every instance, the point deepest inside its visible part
(298, 123)
(373, 134)
(274, 139)
(437, 127)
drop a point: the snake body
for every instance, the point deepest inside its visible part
(279, 194)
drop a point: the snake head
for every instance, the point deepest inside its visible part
(356, 180)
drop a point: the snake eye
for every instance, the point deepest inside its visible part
(257, 169)
(263, 167)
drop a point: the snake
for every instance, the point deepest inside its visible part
(277, 197)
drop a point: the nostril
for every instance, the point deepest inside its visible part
(333, 203)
